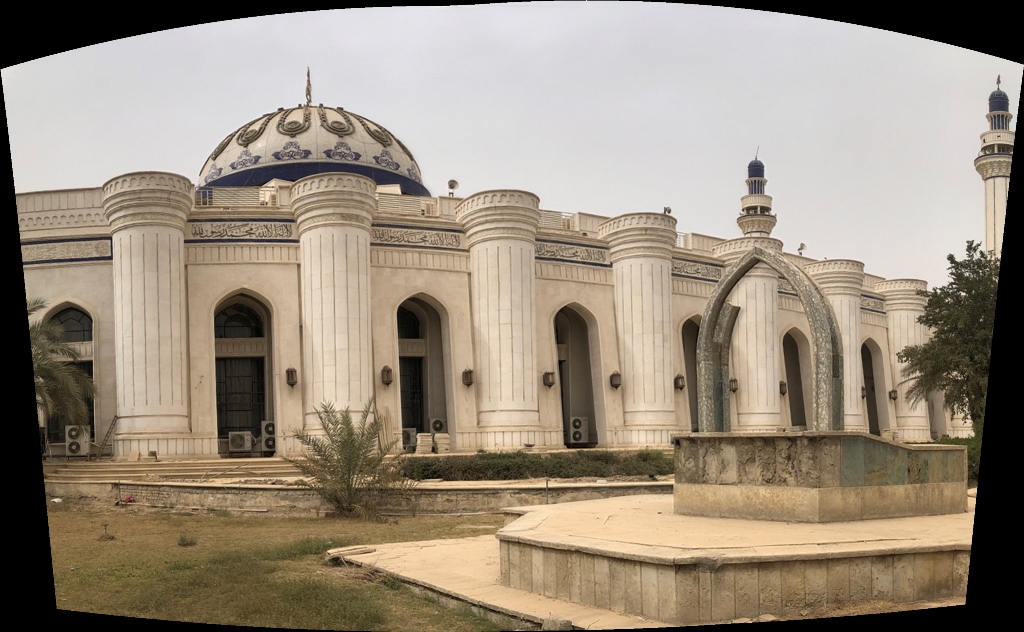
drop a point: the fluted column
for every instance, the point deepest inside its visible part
(640, 248)
(841, 280)
(755, 345)
(333, 213)
(501, 230)
(147, 212)
(903, 306)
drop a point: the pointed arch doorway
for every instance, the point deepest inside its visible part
(241, 339)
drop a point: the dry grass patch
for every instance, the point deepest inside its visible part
(243, 570)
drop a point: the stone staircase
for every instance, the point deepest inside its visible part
(207, 470)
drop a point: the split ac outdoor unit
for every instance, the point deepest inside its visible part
(268, 437)
(76, 440)
(408, 437)
(240, 441)
(579, 430)
(438, 425)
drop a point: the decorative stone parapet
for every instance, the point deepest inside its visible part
(334, 199)
(902, 294)
(640, 235)
(147, 198)
(844, 275)
(730, 251)
(757, 225)
(815, 477)
(993, 165)
(501, 214)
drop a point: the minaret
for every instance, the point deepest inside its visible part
(993, 165)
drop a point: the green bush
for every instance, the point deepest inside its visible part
(973, 454)
(504, 466)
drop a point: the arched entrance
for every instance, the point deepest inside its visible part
(876, 408)
(78, 330)
(421, 370)
(870, 394)
(691, 331)
(575, 381)
(241, 331)
(791, 352)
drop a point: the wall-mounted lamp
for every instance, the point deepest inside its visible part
(549, 379)
(292, 377)
(734, 384)
(893, 395)
(615, 379)
(467, 377)
(783, 388)
(387, 376)
(863, 392)
(679, 382)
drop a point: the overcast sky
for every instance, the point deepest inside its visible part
(868, 136)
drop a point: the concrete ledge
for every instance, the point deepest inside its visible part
(832, 504)
(428, 498)
(634, 556)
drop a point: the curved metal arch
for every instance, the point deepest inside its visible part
(716, 332)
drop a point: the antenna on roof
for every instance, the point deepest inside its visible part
(309, 88)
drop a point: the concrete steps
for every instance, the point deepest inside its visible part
(212, 469)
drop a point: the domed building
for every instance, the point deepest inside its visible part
(309, 264)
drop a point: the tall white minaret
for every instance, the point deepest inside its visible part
(993, 165)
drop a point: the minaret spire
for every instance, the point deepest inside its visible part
(993, 165)
(309, 88)
(756, 219)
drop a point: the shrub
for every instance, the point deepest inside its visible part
(973, 454)
(521, 465)
(349, 466)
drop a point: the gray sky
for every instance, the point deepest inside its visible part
(868, 136)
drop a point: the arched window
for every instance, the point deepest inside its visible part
(408, 324)
(237, 321)
(76, 324)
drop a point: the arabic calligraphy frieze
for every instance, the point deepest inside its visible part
(86, 250)
(242, 230)
(702, 271)
(412, 237)
(570, 252)
(872, 304)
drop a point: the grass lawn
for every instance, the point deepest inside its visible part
(243, 570)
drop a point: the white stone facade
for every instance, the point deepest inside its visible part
(212, 309)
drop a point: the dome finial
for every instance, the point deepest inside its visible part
(309, 88)
(998, 81)
(757, 151)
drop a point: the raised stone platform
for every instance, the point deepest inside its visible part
(816, 477)
(636, 556)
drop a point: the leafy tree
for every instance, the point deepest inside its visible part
(62, 389)
(961, 316)
(349, 466)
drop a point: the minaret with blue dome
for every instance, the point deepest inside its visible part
(993, 164)
(756, 218)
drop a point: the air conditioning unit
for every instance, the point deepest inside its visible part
(268, 436)
(240, 441)
(438, 425)
(76, 440)
(409, 437)
(579, 430)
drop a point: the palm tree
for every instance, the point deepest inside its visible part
(62, 388)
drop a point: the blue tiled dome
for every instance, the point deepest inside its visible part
(293, 143)
(755, 169)
(998, 101)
